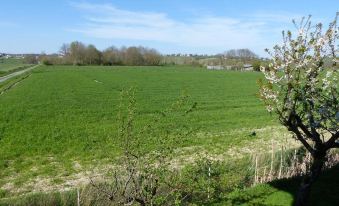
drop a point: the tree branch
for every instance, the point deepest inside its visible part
(331, 143)
(302, 139)
(315, 136)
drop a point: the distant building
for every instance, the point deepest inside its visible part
(216, 67)
(247, 67)
(19, 56)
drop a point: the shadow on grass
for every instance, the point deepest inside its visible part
(325, 192)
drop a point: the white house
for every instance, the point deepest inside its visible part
(216, 67)
(247, 67)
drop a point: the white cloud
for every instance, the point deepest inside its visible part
(108, 22)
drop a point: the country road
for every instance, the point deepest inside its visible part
(4, 78)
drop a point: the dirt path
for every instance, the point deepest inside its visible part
(5, 78)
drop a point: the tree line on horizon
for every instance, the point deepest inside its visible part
(78, 53)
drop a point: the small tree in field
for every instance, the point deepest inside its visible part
(301, 87)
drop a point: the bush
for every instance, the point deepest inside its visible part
(209, 181)
(46, 62)
(30, 59)
(256, 66)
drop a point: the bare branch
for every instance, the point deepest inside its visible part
(315, 136)
(332, 142)
(302, 139)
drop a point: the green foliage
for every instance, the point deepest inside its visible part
(47, 61)
(256, 66)
(208, 181)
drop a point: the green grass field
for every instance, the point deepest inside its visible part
(10, 64)
(64, 116)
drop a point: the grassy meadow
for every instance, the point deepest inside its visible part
(62, 120)
(11, 65)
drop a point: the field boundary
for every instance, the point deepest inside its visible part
(17, 73)
(15, 69)
(12, 80)
(13, 84)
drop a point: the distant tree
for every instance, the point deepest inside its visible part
(112, 56)
(77, 53)
(304, 92)
(133, 56)
(65, 50)
(92, 55)
(151, 57)
(52, 59)
(240, 53)
(46, 61)
(30, 59)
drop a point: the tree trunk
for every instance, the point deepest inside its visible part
(305, 187)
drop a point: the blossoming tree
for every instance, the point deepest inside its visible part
(301, 87)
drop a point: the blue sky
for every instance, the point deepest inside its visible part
(170, 26)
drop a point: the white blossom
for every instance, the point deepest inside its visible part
(295, 77)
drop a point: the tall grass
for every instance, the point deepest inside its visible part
(285, 163)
